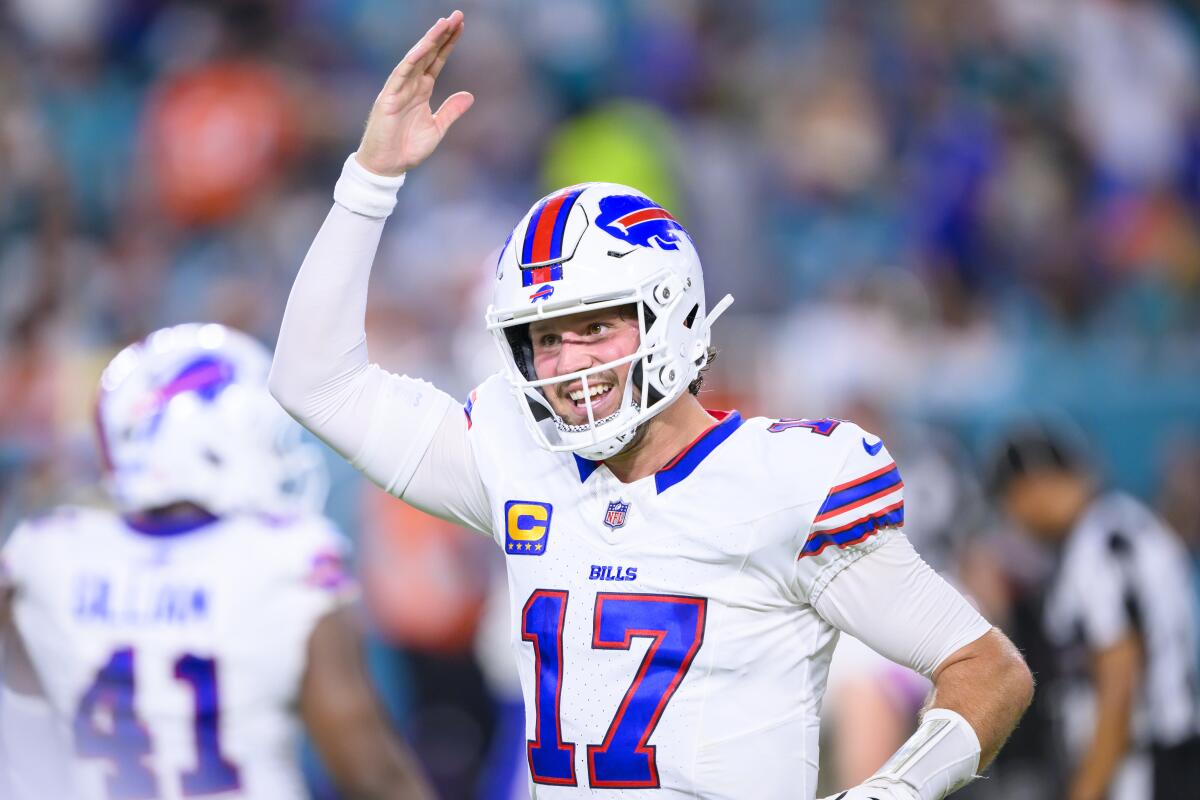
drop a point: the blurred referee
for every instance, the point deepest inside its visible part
(1119, 616)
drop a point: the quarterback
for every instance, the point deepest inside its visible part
(677, 577)
(178, 642)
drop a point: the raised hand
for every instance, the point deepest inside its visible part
(402, 130)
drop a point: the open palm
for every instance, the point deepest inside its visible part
(403, 130)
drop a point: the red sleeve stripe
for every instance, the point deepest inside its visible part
(847, 495)
(843, 528)
(892, 516)
(863, 479)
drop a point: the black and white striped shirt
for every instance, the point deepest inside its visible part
(1123, 570)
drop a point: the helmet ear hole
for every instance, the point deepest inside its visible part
(522, 349)
(691, 317)
(540, 412)
(635, 375)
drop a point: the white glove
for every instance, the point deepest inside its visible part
(877, 789)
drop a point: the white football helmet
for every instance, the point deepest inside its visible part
(185, 416)
(594, 246)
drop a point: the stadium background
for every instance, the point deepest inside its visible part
(936, 217)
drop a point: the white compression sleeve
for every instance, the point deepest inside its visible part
(382, 423)
(435, 487)
(893, 602)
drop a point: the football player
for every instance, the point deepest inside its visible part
(180, 640)
(677, 577)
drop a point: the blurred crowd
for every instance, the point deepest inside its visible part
(935, 216)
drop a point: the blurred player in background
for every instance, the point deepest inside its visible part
(1119, 617)
(677, 578)
(179, 641)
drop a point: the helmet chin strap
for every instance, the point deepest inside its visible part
(587, 427)
(607, 448)
(589, 447)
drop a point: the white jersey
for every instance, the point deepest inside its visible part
(672, 634)
(1122, 571)
(173, 661)
(669, 633)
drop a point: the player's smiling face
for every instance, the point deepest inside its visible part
(580, 341)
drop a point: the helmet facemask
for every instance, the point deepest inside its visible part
(656, 377)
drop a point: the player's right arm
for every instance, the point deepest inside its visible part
(386, 425)
(366, 758)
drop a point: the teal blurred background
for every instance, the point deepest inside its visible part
(935, 216)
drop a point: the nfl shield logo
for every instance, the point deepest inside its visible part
(615, 516)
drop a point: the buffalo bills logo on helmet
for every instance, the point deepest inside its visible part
(206, 376)
(639, 221)
(542, 293)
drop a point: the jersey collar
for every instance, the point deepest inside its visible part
(685, 463)
(167, 527)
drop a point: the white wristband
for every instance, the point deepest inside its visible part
(364, 192)
(940, 758)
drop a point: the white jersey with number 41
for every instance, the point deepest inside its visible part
(173, 659)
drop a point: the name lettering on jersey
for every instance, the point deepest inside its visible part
(824, 426)
(97, 600)
(527, 527)
(604, 572)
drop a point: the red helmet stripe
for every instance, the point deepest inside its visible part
(544, 233)
(643, 215)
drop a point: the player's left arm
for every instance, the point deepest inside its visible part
(859, 571)
(895, 603)
(987, 683)
(366, 757)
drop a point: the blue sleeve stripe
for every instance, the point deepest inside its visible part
(848, 494)
(855, 532)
